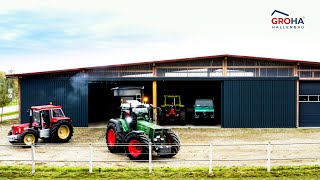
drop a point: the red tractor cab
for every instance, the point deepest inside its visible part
(46, 122)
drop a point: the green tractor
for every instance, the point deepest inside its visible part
(173, 110)
(134, 129)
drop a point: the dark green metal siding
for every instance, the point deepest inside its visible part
(71, 94)
(259, 103)
(309, 114)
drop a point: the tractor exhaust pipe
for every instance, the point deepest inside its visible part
(30, 118)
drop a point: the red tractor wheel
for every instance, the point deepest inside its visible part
(137, 148)
(111, 138)
(114, 138)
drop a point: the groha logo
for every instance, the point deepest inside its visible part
(285, 21)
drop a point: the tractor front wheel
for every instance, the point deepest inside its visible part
(61, 132)
(171, 139)
(137, 148)
(28, 138)
(114, 138)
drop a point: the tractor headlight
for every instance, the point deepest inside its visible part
(129, 119)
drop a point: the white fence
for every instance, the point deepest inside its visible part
(204, 155)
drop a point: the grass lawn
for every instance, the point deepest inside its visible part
(283, 172)
(10, 113)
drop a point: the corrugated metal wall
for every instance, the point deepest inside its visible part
(70, 93)
(309, 114)
(259, 103)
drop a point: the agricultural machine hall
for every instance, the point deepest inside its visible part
(226, 91)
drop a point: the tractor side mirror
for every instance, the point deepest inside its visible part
(29, 111)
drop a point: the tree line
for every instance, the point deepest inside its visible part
(8, 90)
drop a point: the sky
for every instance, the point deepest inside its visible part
(37, 35)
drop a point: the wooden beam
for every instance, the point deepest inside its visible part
(267, 67)
(154, 70)
(224, 66)
(219, 67)
(115, 71)
(295, 70)
(309, 78)
(188, 67)
(309, 70)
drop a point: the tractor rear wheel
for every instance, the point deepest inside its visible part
(182, 117)
(28, 137)
(161, 117)
(171, 139)
(61, 132)
(137, 148)
(114, 138)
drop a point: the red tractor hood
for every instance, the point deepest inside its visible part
(20, 128)
(56, 119)
(24, 125)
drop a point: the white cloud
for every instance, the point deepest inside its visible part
(12, 35)
(109, 32)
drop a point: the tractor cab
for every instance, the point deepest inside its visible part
(172, 102)
(133, 110)
(173, 109)
(45, 115)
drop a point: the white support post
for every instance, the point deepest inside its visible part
(210, 158)
(33, 154)
(150, 157)
(90, 158)
(269, 157)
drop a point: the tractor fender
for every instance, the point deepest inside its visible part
(32, 130)
(133, 132)
(56, 119)
(120, 124)
(116, 122)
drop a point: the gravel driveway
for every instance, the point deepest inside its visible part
(194, 150)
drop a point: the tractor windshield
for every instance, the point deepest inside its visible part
(57, 113)
(36, 116)
(173, 100)
(204, 103)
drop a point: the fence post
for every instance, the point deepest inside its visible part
(269, 157)
(33, 154)
(90, 158)
(150, 157)
(210, 158)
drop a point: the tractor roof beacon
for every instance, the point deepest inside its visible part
(46, 122)
(134, 129)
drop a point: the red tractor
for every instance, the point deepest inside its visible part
(46, 122)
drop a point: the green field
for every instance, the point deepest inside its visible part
(288, 172)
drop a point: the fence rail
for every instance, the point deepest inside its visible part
(208, 153)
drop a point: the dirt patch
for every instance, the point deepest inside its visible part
(194, 150)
